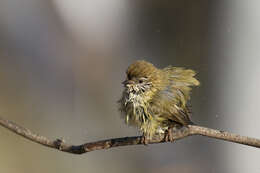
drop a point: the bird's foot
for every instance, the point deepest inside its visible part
(168, 136)
(144, 140)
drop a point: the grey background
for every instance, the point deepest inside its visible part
(62, 63)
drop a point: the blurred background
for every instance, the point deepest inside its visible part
(62, 63)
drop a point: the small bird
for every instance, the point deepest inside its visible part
(155, 100)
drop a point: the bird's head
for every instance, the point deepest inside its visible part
(141, 77)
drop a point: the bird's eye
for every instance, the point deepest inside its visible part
(140, 80)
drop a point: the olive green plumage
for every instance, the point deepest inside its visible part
(156, 99)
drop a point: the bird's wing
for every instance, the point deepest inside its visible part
(171, 102)
(182, 80)
(166, 105)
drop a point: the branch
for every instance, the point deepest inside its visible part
(136, 140)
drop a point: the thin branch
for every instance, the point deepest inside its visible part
(136, 140)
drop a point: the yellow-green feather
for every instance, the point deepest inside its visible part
(165, 103)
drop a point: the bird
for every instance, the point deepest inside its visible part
(155, 100)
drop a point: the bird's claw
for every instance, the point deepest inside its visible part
(168, 136)
(144, 140)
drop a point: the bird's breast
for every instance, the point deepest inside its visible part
(136, 109)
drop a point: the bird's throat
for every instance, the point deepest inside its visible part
(136, 112)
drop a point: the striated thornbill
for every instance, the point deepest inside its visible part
(155, 100)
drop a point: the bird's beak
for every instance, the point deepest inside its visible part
(128, 82)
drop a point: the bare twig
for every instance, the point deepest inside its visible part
(136, 140)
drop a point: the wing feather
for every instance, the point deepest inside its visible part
(171, 102)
